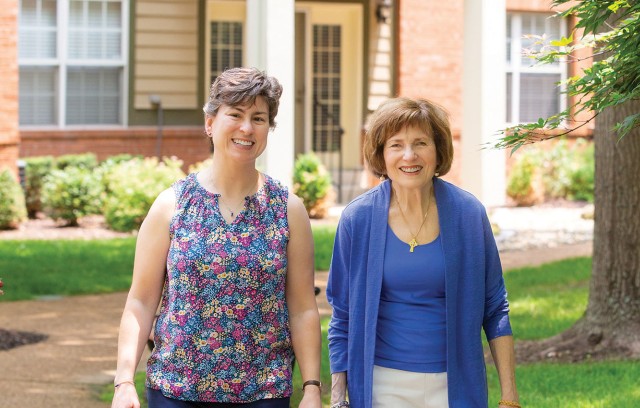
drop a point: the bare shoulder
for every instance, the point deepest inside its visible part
(296, 212)
(163, 207)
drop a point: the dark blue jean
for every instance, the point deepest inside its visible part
(157, 400)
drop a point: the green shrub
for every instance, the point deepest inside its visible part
(197, 167)
(312, 183)
(583, 174)
(12, 206)
(556, 171)
(119, 158)
(71, 193)
(35, 171)
(521, 183)
(83, 160)
(565, 171)
(133, 186)
(104, 169)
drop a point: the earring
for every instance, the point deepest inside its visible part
(383, 177)
(436, 174)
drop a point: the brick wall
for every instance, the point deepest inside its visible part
(8, 85)
(187, 143)
(430, 42)
(430, 48)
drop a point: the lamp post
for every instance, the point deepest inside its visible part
(156, 103)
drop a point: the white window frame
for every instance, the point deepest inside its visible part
(516, 68)
(61, 62)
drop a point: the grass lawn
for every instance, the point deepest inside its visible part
(544, 301)
(32, 269)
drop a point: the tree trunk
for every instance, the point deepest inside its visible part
(614, 297)
(610, 328)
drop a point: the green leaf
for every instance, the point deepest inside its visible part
(562, 42)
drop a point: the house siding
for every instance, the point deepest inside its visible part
(166, 53)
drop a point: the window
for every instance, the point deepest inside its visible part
(326, 87)
(532, 91)
(72, 58)
(226, 46)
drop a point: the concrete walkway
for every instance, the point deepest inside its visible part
(70, 367)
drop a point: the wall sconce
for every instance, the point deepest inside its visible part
(156, 103)
(383, 11)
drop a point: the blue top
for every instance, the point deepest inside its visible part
(411, 331)
(476, 298)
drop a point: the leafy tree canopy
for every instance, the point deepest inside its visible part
(611, 29)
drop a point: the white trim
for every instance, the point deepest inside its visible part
(484, 101)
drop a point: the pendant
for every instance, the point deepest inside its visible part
(413, 243)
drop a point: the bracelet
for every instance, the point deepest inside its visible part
(510, 403)
(312, 382)
(124, 382)
(341, 404)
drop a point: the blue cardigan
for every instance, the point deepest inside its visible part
(475, 293)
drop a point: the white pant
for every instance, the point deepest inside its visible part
(400, 389)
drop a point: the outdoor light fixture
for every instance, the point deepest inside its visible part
(156, 103)
(383, 11)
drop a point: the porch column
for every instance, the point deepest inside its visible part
(9, 135)
(484, 100)
(270, 47)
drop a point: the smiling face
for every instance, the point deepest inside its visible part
(410, 158)
(240, 132)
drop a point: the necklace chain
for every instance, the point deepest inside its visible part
(231, 210)
(414, 241)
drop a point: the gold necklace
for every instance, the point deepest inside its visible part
(414, 242)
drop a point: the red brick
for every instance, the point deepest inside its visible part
(186, 143)
(8, 85)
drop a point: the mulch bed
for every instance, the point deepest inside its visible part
(10, 339)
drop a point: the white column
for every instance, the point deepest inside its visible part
(270, 47)
(484, 99)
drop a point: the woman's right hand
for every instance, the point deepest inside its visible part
(125, 396)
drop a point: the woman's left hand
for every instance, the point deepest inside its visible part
(311, 397)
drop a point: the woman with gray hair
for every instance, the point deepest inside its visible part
(228, 254)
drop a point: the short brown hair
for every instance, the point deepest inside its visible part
(395, 114)
(241, 86)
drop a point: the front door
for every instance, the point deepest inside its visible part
(329, 82)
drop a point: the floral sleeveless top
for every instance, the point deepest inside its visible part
(223, 331)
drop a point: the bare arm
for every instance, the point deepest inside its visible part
(338, 387)
(304, 320)
(502, 350)
(152, 247)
